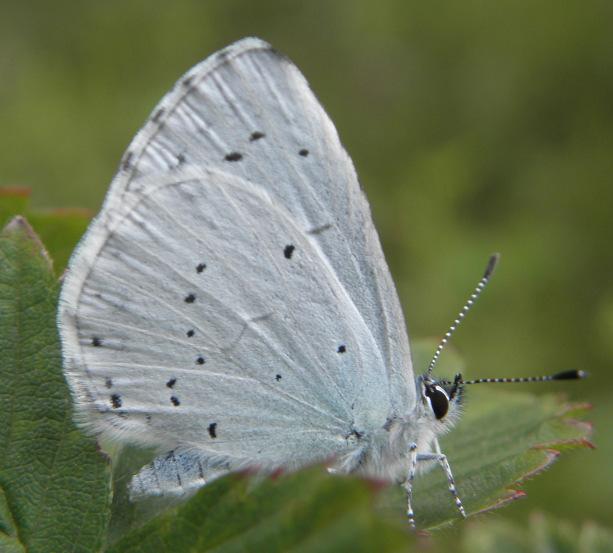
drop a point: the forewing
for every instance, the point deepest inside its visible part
(249, 111)
(232, 294)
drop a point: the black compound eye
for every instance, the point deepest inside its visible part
(438, 400)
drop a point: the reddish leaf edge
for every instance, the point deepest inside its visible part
(551, 451)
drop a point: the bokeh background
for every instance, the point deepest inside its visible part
(475, 127)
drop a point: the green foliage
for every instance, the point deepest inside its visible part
(307, 511)
(9, 540)
(55, 485)
(503, 439)
(542, 534)
(54, 481)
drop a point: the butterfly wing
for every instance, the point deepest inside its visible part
(232, 295)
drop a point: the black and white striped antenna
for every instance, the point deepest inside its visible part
(572, 374)
(459, 382)
(491, 265)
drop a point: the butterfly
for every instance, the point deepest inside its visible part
(231, 305)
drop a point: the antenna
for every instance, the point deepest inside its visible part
(491, 265)
(572, 374)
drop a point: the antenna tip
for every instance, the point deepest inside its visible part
(491, 265)
(573, 374)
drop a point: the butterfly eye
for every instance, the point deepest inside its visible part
(438, 401)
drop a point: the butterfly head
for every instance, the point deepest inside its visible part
(441, 399)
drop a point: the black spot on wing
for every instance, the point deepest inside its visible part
(288, 251)
(278, 377)
(190, 333)
(158, 115)
(171, 382)
(175, 401)
(234, 156)
(341, 349)
(116, 401)
(181, 159)
(256, 136)
(213, 430)
(200, 267)
(126, 162)
(200, 360)
(222, 55)
(304, 152)
(190, 298)
(96, 342)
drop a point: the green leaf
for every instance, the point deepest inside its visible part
(308, 511)
(54, 479)
(59, 229)
(126, 514)
(11, 545)
(503, 438)
(542, 534)
(7, 524)
(9, 542)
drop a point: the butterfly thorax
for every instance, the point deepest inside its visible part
(384, 452)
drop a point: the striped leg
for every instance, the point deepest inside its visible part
(408, 484)
(441, 458)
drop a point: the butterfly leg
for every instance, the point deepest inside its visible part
(408, 484)
(441, 459)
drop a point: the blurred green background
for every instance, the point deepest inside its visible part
(475, 127)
